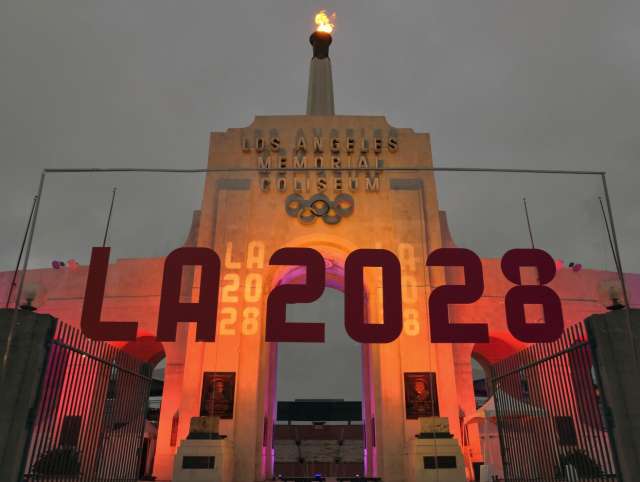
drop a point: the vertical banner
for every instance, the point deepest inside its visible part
(421, 395)
(218, 391)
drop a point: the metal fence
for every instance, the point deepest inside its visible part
(552, 420)
(91, 412)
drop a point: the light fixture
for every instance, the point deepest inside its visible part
(610, 294)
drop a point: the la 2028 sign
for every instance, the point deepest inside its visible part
(204, 311)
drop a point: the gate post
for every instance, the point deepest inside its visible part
(21, 385)
(617, 371)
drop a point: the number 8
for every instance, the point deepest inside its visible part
(520, 295)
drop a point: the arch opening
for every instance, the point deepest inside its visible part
(147, 349)
(480, 434)
(336, 439)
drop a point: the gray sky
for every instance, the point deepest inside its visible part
(331, 369)
(497, 83)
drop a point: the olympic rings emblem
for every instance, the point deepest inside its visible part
(319, 206)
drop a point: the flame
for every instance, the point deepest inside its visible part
(324, 22)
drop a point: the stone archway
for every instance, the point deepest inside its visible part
(245, 217)
(334, 251)
(501, 345)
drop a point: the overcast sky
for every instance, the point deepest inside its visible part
(497, 83)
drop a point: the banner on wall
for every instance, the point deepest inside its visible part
(421, 395)
(218, 390)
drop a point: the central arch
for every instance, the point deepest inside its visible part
(334, 250)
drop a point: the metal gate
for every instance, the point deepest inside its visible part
(553, 422)
(91, 410)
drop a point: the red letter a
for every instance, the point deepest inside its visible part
(205, 311)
